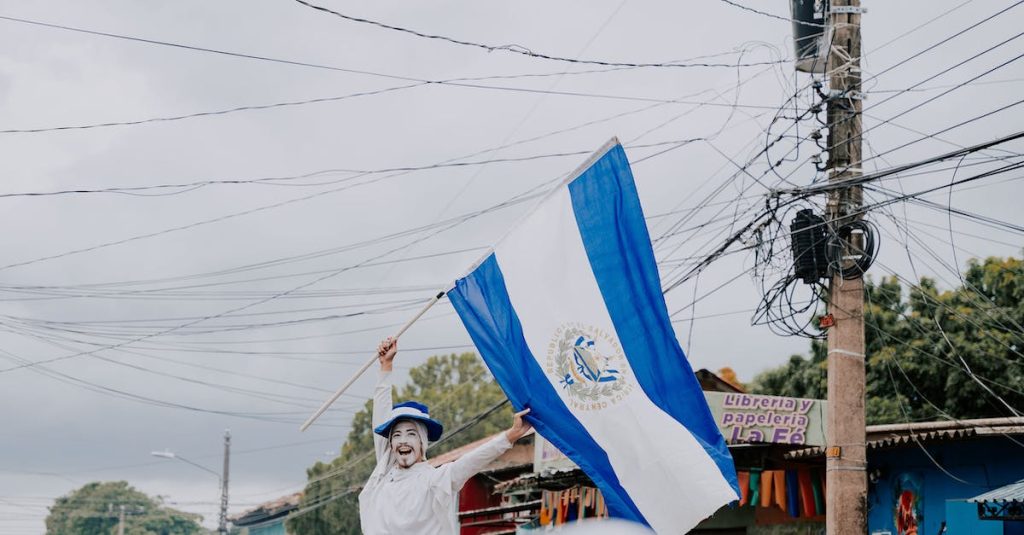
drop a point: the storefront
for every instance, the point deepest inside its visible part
(926, 477)
(760, 431)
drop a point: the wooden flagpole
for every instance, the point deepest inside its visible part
(366, 366)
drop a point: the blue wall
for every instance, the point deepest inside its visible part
(983, 464)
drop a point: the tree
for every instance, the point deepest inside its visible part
(728, 375)
(94, 509)
(457, 388)
(931, 354)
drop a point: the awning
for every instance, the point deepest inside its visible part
(1004, 503)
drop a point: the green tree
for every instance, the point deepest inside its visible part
(455, 387)
(922, 342)
(94, 509)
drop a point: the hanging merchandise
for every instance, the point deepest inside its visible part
(755, 486)
(819, 493)
(558, 507)
(744, 481)
(792, 493)
(767, 482)
(779, 480)
(806, 493)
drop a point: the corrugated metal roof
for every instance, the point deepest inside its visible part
(268, 510)
(897, 435)
(1013, 492)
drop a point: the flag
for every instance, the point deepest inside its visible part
(568, 314)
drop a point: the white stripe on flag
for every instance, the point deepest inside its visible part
(551, 284)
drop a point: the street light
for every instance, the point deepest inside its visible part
(223, 477)
(167, 454)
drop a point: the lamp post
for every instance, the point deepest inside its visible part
(222, 527)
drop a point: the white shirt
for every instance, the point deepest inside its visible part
(421, 499)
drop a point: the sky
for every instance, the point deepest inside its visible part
(236, 255)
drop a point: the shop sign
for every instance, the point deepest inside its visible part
(772, 419)
(741, 418)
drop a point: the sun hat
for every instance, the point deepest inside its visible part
(411, 410)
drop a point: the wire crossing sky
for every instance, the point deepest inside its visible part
(214, 211)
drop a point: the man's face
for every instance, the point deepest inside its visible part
(406, 445)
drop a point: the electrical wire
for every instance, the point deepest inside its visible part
(512, 48)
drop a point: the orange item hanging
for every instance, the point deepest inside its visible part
(766, 488)
(545, 514)
(779, 484)
(744, 480)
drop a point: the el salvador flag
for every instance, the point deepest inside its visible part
(568, 313)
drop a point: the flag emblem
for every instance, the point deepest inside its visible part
(589, 365)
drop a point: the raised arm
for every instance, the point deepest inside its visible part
(386, 352)
(473, 462)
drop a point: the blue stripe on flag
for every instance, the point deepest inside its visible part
(481, 300)
(611, 222)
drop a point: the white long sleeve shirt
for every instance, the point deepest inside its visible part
(421, 499)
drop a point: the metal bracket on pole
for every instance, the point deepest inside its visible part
(847, 10)
(853, 95)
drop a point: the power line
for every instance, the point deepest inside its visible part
(236, 109)
(871, 177)
(918, 54)
(518, 49)
(773, 16)
(357, 173)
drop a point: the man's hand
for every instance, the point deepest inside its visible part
(519, 427)
(386, 352)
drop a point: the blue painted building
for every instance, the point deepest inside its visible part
(922, 476)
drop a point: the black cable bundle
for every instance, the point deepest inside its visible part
(789, 307)
(846, 258)
(809, 238)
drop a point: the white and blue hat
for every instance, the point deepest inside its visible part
(411, 410)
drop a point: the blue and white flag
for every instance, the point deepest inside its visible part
(568, 314)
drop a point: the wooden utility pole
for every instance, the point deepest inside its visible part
(846, 456)
(120, 522)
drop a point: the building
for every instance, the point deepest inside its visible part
(941, 478)
(537, 486)
(268, 518)
(482, 507)
(938, 477)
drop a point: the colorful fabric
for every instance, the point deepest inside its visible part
(569, 316)
(755, 487)
(819, 492)
(744, 481)
(806, 493)
(792, 493)
(779, 484)
(767, 482)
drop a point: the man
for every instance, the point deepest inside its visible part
(406, 495)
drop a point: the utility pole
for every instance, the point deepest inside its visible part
(846, 455)
(120, 521)
(223, 527)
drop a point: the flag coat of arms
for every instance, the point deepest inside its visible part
(568, 314)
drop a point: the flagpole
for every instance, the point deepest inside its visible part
(369, 363)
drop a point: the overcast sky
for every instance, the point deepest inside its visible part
(175, 313)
